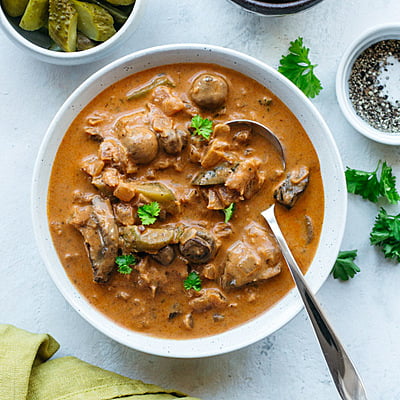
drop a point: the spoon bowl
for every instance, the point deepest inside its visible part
(262, 130)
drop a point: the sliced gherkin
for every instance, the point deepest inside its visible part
(121, 2)
(14, 8)
(94, 21)
(119, 16)
(63, 21)
(35, 15)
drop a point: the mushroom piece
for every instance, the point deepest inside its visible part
(140, 142)
(165, 256)
(197, 245)
(96, 223)
(288, 191)
(209, 91)
(173, 141)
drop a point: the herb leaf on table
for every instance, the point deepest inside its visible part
(386, 234)
(297, 67)
(366, 184)
(388, 184)
(344, 267)
(370, 187)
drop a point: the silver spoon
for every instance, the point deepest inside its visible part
(262, 130)
(344, 374)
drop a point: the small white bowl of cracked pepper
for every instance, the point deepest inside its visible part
(368, 84)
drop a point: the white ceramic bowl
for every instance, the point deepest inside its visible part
(332, 174)
(368, 38)
(37, 43)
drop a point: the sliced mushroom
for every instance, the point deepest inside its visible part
(97, 225)
(173, 141)
(165, 256)
(197, 245)
(214, 176)
(288, 192)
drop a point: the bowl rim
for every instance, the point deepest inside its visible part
(275, 9)
(75, 57)
(243, 335)
(359, 44)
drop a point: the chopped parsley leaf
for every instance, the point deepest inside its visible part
(148, 213)
(125, 262)
(202, 127)
(192, 281)
(229, 212)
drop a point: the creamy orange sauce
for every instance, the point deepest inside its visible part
(139, 310)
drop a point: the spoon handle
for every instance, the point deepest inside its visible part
(344, 374)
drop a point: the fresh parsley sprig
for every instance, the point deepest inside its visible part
(344, 267)
(125, 263)
(228, 211)
(192, 281)
(297, 67)
(386, 234)
(369, 186)
(202, 127)
(388, 184)
(148, 213)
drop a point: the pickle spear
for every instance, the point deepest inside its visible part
(35, 15)
(63, 21)
(14, 8)
(94, 21)
(121, 2)
(119, 16)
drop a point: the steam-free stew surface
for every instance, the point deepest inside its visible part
(152, 298)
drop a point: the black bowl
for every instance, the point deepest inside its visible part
(276, 7)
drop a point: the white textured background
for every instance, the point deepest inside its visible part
(287, 365)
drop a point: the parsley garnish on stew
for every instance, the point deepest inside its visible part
(124, 263)
(192, 281)
(228, 211)
(344, 267)
(202, 126)
(386, 234)
(148, 213)
(297, 67)
(369, 186)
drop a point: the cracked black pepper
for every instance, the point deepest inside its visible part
(371, 86)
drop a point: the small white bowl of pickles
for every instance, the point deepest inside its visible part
(69, 32)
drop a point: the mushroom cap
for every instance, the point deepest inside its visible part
(197, 245)
(141, 143)
(209, 91)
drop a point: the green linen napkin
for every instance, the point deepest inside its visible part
(25, 374)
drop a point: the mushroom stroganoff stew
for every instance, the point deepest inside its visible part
(154, 202)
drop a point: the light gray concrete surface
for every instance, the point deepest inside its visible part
(286, 365)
